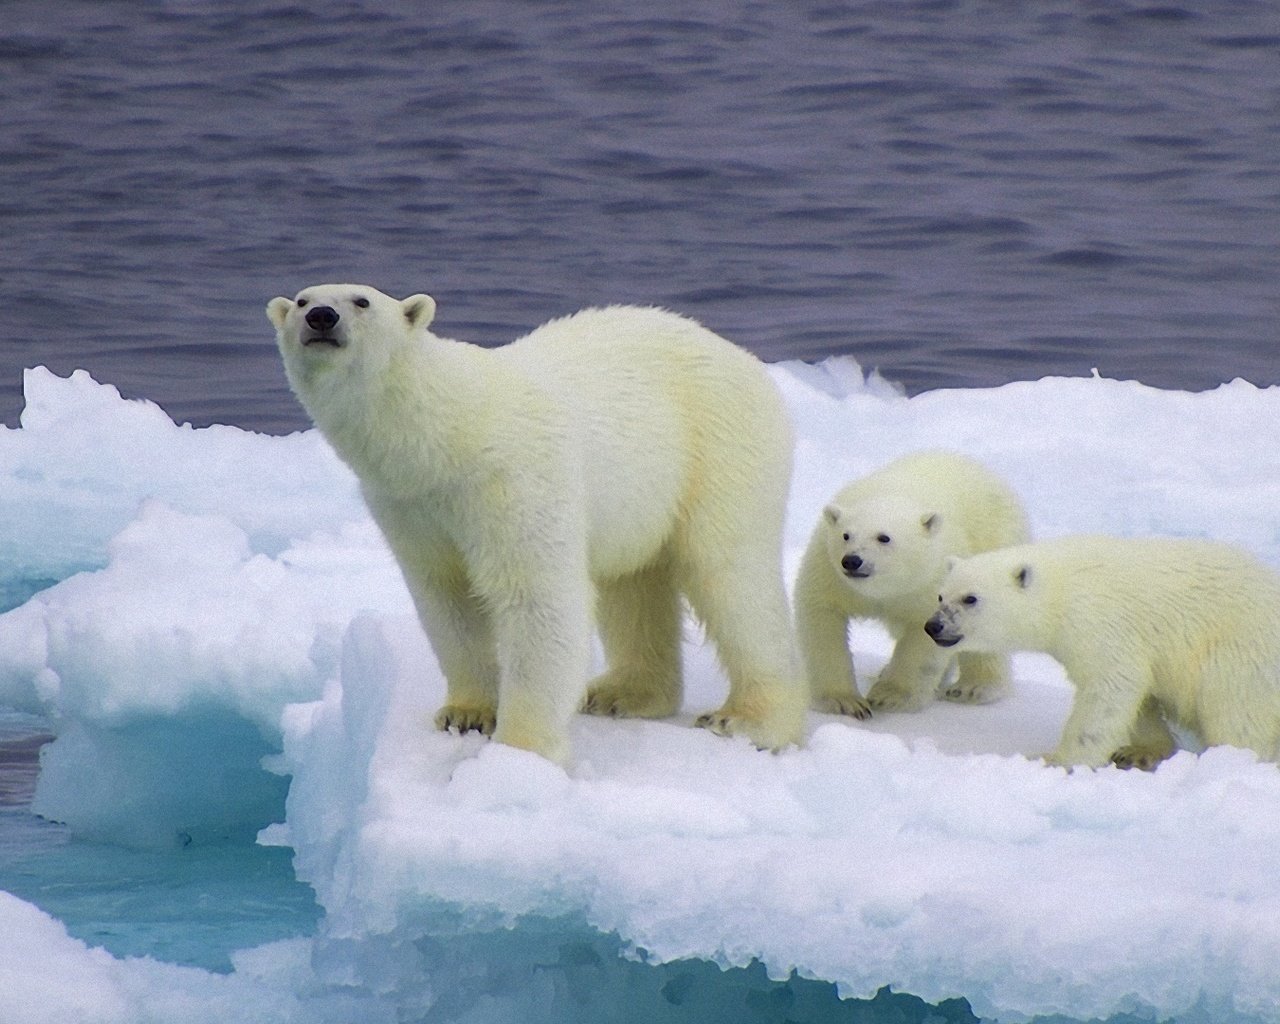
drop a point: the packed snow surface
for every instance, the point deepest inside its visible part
(189, 606)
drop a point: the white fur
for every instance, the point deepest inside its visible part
(618, 457)
(1149, 630)
(902, 522)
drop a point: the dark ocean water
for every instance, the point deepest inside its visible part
(957, 192)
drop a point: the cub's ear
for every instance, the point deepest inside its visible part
(931, 521)
(277, 309)
(1022, 576)
(418, 310)
(950, 562)
(831, 514)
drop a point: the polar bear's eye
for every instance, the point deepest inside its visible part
(846, 536)
(302, 303)
(969, 599)
(884, 538)
(361, 302)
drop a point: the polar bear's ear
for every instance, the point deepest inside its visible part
(277, 309)
(931, 521)
(1022, 576)
(831, 514)
(950, 562)
(419, 310)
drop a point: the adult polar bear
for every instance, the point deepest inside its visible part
(1148, 629)
(623, 454)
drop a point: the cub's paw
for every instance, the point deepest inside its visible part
(467, 718)
(893, 698)
(964, 692)
(845, 704)
(1137, 757)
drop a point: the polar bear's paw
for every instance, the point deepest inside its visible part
(467, 718)
(624, 695)
(886, 696)
(848, 704)
(1145, 758)
(771, 728)
(964, 691)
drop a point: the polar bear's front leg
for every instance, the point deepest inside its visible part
(1150, 740)
(983, 679)
(529, 573)
(823, 636)
(544, 652)
(459, 630)
(911, 679)
(1105, 710)
(456, 622)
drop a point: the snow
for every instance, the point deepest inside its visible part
(226, 627)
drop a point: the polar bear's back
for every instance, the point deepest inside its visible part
(1172, 599)
(1208, 580)
(671, 421)
(982, 508)
(652, 375)
(635, 346)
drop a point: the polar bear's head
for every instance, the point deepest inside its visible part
(330, 327)
(885, 546)
(990, 602)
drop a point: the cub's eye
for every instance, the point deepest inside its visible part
(361, 303)
(884, 538)
(846, 536)
(970, 599)
(302, 303)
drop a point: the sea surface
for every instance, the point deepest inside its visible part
(193, 906)
(957, 192)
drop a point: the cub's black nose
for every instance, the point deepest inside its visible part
(322, 318)
(851, 563)
(934, 627)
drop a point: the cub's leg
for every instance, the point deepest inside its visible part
(1102, 716)
(911, 679)
(1150, 740)
(822, 636)
(983, 679)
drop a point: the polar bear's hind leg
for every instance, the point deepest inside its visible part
(639, 619)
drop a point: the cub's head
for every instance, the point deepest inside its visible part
(989, 602)
(330, 326)
(885, 546)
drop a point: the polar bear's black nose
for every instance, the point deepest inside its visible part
(934, 627)
(322, 318)
(851, 563)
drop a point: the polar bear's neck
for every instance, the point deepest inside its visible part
(396, 424)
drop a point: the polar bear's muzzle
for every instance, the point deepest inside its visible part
(937, 629)
(321, 322)
(854, 567)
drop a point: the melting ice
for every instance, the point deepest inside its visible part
(224, 649)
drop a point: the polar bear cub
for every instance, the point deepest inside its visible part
(879, 552)
(608, 463)
(1149, 630)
